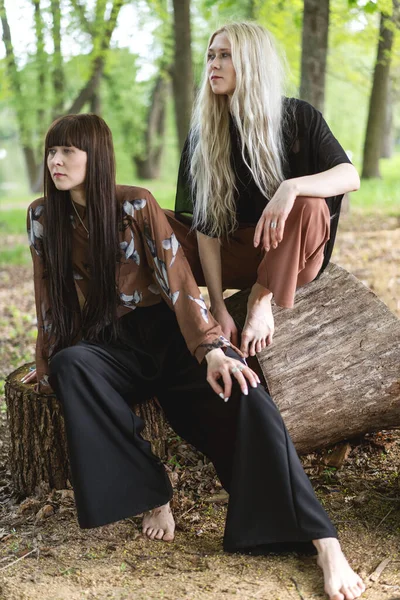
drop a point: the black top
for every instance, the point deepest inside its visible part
(310, 148)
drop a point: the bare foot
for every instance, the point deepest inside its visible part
(159, 524)
(341, 583)
(259, 326)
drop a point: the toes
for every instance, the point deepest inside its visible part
(159, 535)
(168, 537)
(258, 346)
(356, 591)
(148, 531)
(337, 596)
(348, 594)
(360, 585)
(154, 533)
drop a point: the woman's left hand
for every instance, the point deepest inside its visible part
(270, 227)
(222, 367)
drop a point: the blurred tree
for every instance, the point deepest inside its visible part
(379, 94)
(182, 71)
(52, 102)
(388, 130)
(314, 52)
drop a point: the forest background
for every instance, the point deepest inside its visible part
(138, 64)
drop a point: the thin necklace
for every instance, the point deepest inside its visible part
(79, 217)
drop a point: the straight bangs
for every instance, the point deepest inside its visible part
(68, 131)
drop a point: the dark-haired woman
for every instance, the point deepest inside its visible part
(108, 270)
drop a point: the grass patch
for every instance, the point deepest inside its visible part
(17, 255)
(381, 196)
(12, 221)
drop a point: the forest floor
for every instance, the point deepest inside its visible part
(45, 556)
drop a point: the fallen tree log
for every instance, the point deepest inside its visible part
(334, 366)
(38, 448)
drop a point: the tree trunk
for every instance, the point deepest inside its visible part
(378, 100)
(148, 165)
(182, 72)
(388, 133)
(95, 103)
(314, 52)
(251, 10)
(58, 68)
(38, 451)
(333, 369)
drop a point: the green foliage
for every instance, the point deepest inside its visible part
(125, 95)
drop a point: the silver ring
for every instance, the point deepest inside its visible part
(234, 369)
(273, 225)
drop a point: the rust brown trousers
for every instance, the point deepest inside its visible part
(296, 261)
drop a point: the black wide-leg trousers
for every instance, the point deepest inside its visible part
(272, 505)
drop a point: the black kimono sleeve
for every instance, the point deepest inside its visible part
(313, 149)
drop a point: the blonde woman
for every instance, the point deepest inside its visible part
(263, 177)
(260, 185)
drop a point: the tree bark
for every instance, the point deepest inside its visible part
(149, 164)
(333, 366)
(182, 72)
(378, 100)
(38, 451)
(314, 52)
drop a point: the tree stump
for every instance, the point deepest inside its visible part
(333, 368)
(38, 450)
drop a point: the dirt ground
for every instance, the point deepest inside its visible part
(45, 556)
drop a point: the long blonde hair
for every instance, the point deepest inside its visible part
(256, 108)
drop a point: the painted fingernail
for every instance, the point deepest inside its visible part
(246, 392)
(221, 396)
(226, 399)
(254, 385)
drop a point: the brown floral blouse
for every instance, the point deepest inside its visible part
(152, 268)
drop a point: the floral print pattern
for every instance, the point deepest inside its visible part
(203, 307)
(128, 249)
(35, 228)
(160, 270)
(133, 300)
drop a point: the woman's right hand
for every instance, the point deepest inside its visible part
(30, 377)
(228, 326)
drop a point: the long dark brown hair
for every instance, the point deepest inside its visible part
(91, 134)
